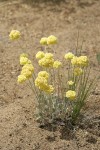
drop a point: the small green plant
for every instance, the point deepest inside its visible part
(60, 93)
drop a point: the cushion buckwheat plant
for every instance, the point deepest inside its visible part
(60, 93)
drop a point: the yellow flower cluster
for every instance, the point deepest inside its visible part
(50, 89)
(26, 72)
(24, 55)
(48, 55)
(14, 35)
(70, 82)
(27, 68)
(47, 60)
(40, 55)
(71, 94)
(57, 64)
(43, 41)
(69, 56)
(78, 71)
(48, 41)
(81, 61)
(43, 74)
(24, 59)
(74, 61)
(51, 40)
(21, 79)
(42, 82)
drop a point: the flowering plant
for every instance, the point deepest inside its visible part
(60, 93)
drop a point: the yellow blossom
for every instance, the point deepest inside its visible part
(74, 61)
(40, 55)
(51, 40)
(14, 35)
(78, 71)
(48, 55)
(41, 83)
(83, 61)
(28, 67)
(71, 94)
(43, 41)
(70, 82)
(69, 56)
(45, 62)
(24, 60)
(57, 64)
(21, 79)
(50, 89)
(27, 73)
(24, 55)
(43, 74)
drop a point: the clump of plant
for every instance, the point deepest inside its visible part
(61, 87)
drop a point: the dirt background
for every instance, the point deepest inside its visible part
(64, 19)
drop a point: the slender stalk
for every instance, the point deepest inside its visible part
(32, 88)
(21, 47)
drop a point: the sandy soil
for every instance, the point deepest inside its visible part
(18, 128)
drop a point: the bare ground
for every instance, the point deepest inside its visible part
(18, 128)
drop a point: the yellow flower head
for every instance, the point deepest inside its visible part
(45, 62)
(74, 61)
(69, 56)
(70, 82)
(71, 94)
(51, 40)
(24, 60)
(40, 55)
(57, 64)
(14, 35)
(50, 89)
(24, 55)
(41, 83)
(27, 73)
(21, 79)
(43, 41)
(28, 67)
(48, 55)
(83, 61)
(43, 74)
(78, 71)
